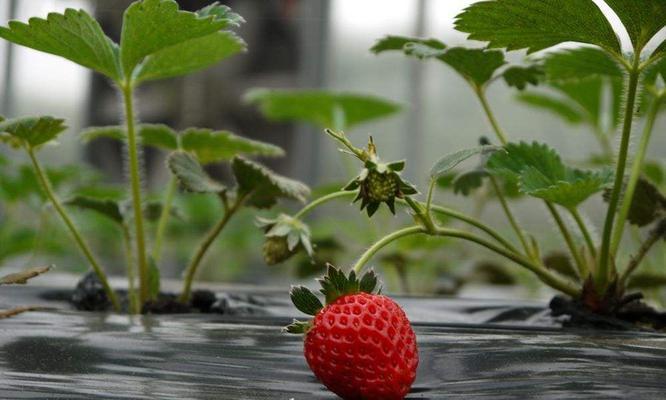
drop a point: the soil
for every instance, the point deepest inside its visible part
(89, 295)
(631, 315)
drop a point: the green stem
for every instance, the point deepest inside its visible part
(85, 249)
(324, 199)
(481, 94)
(584, 231)
(369, 253)
(431, 189)
(635, 261)
(477, 224)
(546, 276)
(605, 267)
(137, 204)
(568, 239)
(164, 218)
(636, 169)
(436, 208)
(512, 220)
(134, 307)
(210, 237)
(421, 213)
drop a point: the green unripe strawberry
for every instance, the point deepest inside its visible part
(285, 236)
(380, 187)
(276, 250)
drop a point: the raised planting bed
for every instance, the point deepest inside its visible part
(468, 349)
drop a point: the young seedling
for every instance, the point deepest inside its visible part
(158, 41)
(31, 134)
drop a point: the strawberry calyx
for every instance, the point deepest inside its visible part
(379, 182)
(334, 285)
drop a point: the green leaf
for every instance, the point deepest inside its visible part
(641, 19)
(158, 135)
(213, 146)
(297, 327)
(476, 65)
(32, 131)
(74, 35)
(648, 204)
(152, 135)
(106, 207)
(427, 47)
(660, 51)
(410, 46)
(95, 132)
(583, 75)
(560, 107)
(153, 279)
(304, 300)
(536, 25)
(190, 174)
(654, 171)
(541, 173)
(325, 109)
(646, 280)
(192, 55)
(153, 211)
(264, 186)
(561, 263)
(569, 190)
(150, 26)
(450, 161)
(368, 282)
(580, 63)
(21, 278)
(520, 77)
(335, 283)
(468, 181)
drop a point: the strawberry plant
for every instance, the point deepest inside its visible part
(595, 273)
(157, 41)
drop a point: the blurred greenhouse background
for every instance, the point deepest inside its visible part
(291, 44)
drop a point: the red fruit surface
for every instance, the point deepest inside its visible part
(362, 347)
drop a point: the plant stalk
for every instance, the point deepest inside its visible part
(164, 218)
(370, 252)
(135, 186)
(584, 231)
(655, 235)
(512, 220)
(636, 169)
(324, 199)
(421, 213)
(605, 266)
(568, 239)
(210, 237)
(436, 208)
(134, 307)
(481, 94)
(546, 276)
(83, 246)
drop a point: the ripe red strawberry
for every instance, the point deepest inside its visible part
(361, 345)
